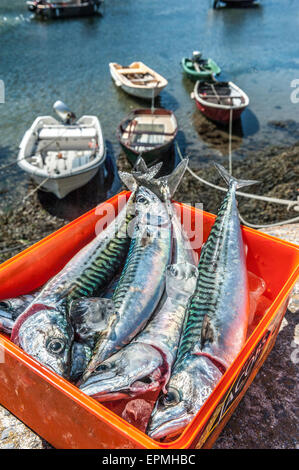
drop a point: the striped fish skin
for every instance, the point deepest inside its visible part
(216, 322)
(93, 267)
(142, 282)
(144, 365)
(83, 276)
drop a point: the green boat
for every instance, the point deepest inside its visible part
(200, 69)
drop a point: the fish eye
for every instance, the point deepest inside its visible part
(103, 367)
(55, 346)
(172, 398)
(145, 380)
(141, 199)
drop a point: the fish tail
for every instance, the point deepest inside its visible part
(164, 187)
(229, 179)
(173, 180)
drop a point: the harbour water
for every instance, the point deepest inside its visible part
(41, 62)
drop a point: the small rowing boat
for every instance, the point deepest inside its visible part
(149, 133)
(138, 80)
(220, 100)
(62, 156)
(64, 9)
(198, 68)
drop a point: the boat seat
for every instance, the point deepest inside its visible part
(129, 71)
(70, 160)
(49, 133)
(144, 80)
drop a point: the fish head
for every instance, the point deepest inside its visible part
(189, 387)
(47, 335)
(133, 370)
(181, 280)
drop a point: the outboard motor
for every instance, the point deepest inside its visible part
(65, 114)
(196, 56)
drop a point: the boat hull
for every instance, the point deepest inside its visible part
(52, 178)
(52, 12)
(138, 92)
(234, 3)
(147, 94)
(153, 155)
(218, 112)
(203, 75)
(61, 187)
(219, 115)
(150, 157)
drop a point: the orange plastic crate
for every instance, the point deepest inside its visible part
(67, 418)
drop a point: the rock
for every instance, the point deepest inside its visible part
(5, 434)
(8, 446)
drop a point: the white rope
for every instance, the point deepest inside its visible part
(286, 202)
(275, 224)
(230, 163)
(35, 189)
(13, 163)
(153, 100)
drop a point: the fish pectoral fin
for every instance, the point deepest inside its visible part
(91, 313)
(109, 327)
(207, 332)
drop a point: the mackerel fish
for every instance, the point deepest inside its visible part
(142, 281)
(216, 321)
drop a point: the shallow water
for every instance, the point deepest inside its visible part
(41, 62)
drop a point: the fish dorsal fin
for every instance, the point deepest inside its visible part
(207, 333)
(91, 315)
(229, 179)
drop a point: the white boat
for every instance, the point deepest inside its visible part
(62, 156)
(138, 80)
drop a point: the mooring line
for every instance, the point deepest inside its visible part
(285, 202)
